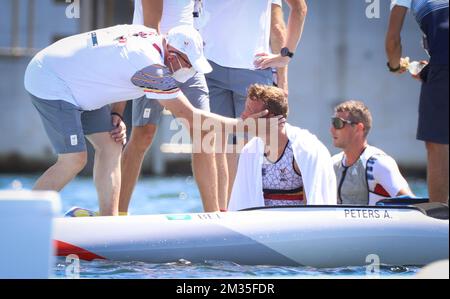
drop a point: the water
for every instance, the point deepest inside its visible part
(101, 269)
(180, 195)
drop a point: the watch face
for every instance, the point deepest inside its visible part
(285, 52)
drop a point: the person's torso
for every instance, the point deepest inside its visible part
(356, 183)
(236, 30)
(282, 184)
(421, 8)
(432, 16)
(175, 13)
(98, 66)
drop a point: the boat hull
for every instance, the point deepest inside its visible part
(304, 236)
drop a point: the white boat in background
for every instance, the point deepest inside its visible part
(316, 236)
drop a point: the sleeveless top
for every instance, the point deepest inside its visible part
(282, 184)
(356, 183)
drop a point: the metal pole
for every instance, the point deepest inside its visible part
(110, 13)
(15, 24)
(101, 14)
(86, 16)
(342, 62)
(30, 31)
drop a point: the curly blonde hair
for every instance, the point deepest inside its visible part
(273, 98)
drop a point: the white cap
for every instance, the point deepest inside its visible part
(188, 40)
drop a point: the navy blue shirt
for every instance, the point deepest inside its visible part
(435, 27)
(432, 16)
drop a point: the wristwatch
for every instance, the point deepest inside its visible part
(285, 52)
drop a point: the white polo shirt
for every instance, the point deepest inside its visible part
(94, 69)
(175, 13)
(236, 30)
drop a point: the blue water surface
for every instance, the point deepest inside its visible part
(160, 195)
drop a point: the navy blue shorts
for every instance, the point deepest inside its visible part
(433, 107)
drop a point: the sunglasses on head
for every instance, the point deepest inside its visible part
(339, 123)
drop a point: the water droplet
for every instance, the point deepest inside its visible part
(190, 180)
(16, 185)
(184, 262)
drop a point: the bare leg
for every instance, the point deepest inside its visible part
(232, 162)
(184, 110)
(437, 172)
(62, 172)
(205, 173)
(133, 157)
(107, 172)
(222, 174)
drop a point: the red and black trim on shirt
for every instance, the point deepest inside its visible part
(296, 194)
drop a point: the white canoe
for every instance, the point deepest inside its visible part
(321, 236)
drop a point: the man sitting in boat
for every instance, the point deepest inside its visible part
(290, 168)
(365, 174)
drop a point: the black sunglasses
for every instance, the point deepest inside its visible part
(339, 123)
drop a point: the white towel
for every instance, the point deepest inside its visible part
(312, 157)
